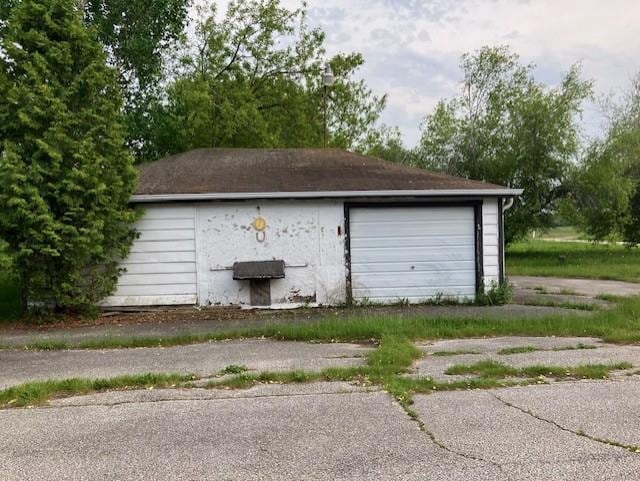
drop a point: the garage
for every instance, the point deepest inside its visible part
(412, 253)
(340, 227)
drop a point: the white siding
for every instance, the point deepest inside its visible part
(161, 269)
(308, 235)
(412, 253)
(185, 252)
(490, 238)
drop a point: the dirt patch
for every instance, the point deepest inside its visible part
(171, 315)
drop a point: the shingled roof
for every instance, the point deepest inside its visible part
(307, 172)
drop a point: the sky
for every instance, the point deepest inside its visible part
(412, 48)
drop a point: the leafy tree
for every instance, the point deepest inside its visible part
(507, 128)
(386, 143)
(253, 79)
(598, 193)
(605, 188)
(65, 175)
(136, 35)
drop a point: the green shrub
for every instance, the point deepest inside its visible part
(496, 295)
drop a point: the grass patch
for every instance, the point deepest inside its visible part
(483, 369)
(574, 259)
(620, 324)
(575, 347)
(517, 350)
(459, 352)
(234, 369)
(38, 392)
(496, 370)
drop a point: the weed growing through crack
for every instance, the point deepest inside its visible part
(459, 352)
(496, 370)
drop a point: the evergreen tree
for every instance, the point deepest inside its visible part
(65, 174)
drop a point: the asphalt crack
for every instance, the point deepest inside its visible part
(582, 434)
(413, 415)
(196, 399)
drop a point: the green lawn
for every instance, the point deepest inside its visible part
(574, 259)
(564, 233)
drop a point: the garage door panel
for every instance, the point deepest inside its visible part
(396, 229)
(400, 267)
(411, 214)
(413, 253)
(410, 241)
(432, 254)
(411, 279)
(413, 294)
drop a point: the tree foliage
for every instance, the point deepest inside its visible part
(253, 79)
(507, 128)
(65, 175)
(605, 188)
(137, 34)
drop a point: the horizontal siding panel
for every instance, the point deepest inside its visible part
(490, 229)
(154, 212)
(164, 246)
(490, 207)
(151, 257)
(157, 279)
(491, 250)
(166, 235)
(160, 267)
(490, 271)
(165, 224)
(156, 290)
(122, 301)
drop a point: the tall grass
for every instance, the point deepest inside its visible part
(574, 259)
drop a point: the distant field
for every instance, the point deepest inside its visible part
(564, 233)
(574, 259)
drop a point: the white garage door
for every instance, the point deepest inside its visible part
(413, 253)
(161, 268)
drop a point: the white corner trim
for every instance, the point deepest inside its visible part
(140, 198)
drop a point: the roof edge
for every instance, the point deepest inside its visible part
(506, 192)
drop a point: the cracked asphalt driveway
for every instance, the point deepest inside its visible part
(586, 430)
(570, 430)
